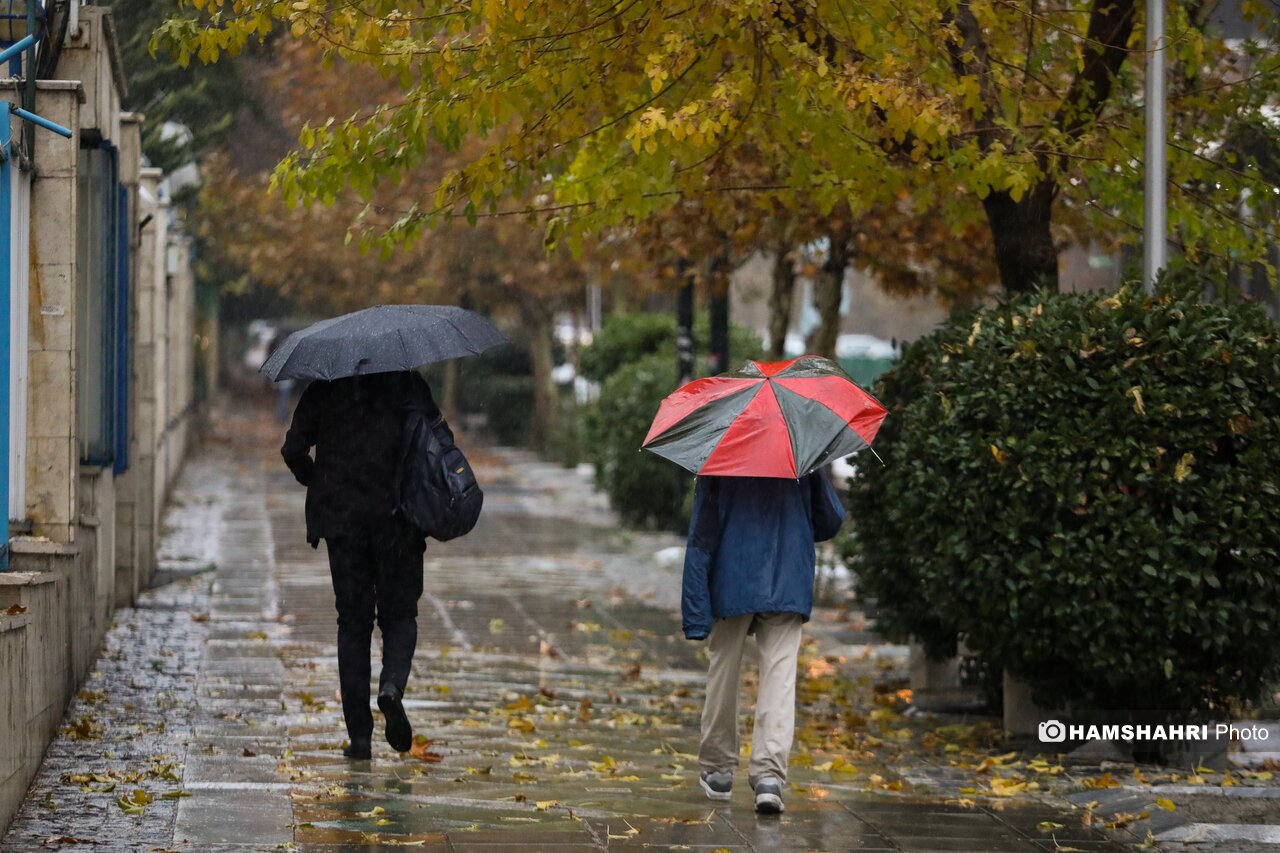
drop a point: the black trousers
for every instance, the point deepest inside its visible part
(375, 575)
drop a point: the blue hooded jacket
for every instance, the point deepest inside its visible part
(751, 548)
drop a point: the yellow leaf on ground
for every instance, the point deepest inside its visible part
(1106, 780)
(1165, 803)
(1007, 787)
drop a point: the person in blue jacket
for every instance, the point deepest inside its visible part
(749, 569)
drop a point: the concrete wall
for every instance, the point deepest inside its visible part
(180, 349)
(94, 577)
(13, 714)
(131, 574)
(52, 451)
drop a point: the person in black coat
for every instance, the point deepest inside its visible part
(375, 556)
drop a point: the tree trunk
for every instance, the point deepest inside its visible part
(449, 394)
(718, 343)
(545, 411)
(684, 326)
(780, 300)
(830, 290)
(1025, 253)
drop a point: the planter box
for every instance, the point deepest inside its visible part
(937, 685)
(47, 677)
(15, 764)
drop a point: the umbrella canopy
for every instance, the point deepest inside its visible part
(381, 340)
(767, 419)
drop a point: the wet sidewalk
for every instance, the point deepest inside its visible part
(557, 702)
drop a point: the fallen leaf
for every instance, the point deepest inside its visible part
(1003, 787)
(16, 610)
(59, 840)
(135, 803)
(421, 750)
(1106, 780)
(1165, 803)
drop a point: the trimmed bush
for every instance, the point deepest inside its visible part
(626, 338)
(644, 489)
(1084, 488)
(622, 340)
(635, 356)
(496, 384)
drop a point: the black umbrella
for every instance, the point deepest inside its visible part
(382, 339)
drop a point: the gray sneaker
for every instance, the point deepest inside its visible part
(719, 786)
(769, 796)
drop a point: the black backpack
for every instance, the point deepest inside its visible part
(438, 493)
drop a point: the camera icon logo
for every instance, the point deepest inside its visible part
(1052, 731)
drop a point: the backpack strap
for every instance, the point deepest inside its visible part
(411, 420)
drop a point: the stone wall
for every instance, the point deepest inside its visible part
(93, 534)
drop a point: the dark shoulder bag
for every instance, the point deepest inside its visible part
(438, 492)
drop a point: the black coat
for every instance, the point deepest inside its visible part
(356, 427)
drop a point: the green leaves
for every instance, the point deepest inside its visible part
(1081, 509)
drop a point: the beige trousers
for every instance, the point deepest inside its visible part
(778, 640)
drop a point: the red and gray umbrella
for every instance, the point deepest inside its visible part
(767, 419)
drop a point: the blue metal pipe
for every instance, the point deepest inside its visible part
(16, 48)
(6, 344)
(42, 122)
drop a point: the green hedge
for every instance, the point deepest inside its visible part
(1084, 488)
(635, 357)
(645, 490)
(496, 384)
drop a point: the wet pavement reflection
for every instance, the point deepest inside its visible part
(556, 703)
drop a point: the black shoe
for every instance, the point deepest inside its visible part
(358, 750)
(399, 732)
